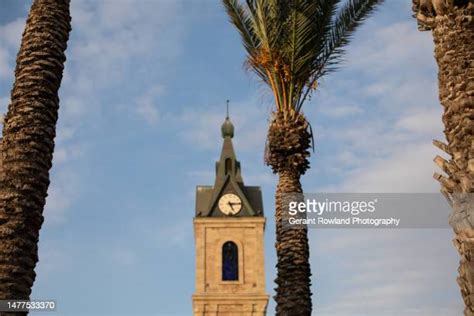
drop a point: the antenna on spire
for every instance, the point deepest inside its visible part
(227, 104)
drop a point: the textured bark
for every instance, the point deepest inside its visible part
(287, 151)
(452, 25)
(462, 221)
(289, 138)
(28, 143)
(293, 293)
(453, 35)
(1, 164)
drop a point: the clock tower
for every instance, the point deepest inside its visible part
(229, 230)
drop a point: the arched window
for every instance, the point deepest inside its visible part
(228, 166)
(230, 262)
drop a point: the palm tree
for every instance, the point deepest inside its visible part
(290, 45)
(28, 142)
(452, 26)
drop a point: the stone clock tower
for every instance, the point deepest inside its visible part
(229, 230)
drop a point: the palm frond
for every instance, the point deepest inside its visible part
(240, 18)
(242, 21)
(348, 19)
(291, 44)
(311, 32)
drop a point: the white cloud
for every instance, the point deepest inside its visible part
(390, 279)
(62, 191)
(396, 46)
(201, 127)
(64, 134)
(348, 158)
(393, 65)
(338, 111)
(388, 148)
(10, 33)
(66, 153)
(111, 33)
(407, 169)
(148, 111)
(109, 40)
(10, 38)
(424, 121)
(146, 105)
(377, 89)
(4, 102)
(6, 69)
(383, 154)
(52, 260)
(386, 156)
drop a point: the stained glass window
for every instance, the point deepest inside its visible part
(230, 262)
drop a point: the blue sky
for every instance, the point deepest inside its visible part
(142, 101)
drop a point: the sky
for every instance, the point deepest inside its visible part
(142, 102)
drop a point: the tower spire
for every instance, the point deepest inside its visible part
(227, 128)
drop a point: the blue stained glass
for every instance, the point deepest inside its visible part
(230, 262)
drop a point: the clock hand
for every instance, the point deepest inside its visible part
(230, 204)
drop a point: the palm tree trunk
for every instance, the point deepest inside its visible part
(462, 222)
(293, 294)
(288, 141)
(453, 36)
(28, 143)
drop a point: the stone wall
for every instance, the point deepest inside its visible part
(246, 296)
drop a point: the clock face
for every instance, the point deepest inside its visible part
(230, 204)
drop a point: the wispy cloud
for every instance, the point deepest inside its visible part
(5, 68)
(394, 45)
(388, 148)
(107, 43)
(62, 191)
(340, 111)
(424, 121)
(387, 280)
(52, 260)
(146, 104)
(10, 38)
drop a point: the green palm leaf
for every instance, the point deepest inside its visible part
(292, 44)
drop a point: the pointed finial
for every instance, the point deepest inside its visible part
(227, 128)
